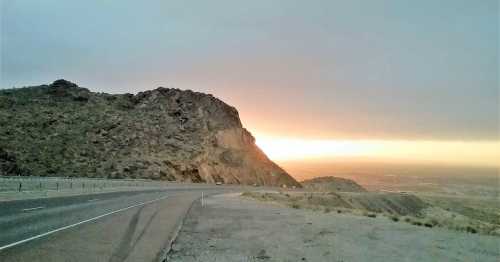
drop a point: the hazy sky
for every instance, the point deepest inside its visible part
(311, 69)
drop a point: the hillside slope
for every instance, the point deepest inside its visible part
(169, 134)
(330, 183)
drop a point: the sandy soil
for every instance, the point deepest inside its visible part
(232, 228)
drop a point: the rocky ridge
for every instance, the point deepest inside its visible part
(62, 129)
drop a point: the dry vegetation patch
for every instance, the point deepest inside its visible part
(396, 207)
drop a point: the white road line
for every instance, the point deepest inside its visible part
(33, 208)
(79, 223)
(92, 200)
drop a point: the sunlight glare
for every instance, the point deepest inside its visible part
(450, 152)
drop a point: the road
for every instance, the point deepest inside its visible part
(116, 226)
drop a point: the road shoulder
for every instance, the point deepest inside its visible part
(232, 228)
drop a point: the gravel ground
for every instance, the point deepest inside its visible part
(233, 228)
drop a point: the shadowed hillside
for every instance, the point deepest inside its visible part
(62, 129)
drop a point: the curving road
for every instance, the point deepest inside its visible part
(117, 226)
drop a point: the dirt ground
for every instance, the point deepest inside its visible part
(232, 228)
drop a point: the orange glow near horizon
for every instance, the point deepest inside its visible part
(444, 152)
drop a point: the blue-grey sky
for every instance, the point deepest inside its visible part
(390, 69)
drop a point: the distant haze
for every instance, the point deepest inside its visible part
(379, 175)
(309, 71)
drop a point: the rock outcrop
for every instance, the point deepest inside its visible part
(332, 184)
(62, 129)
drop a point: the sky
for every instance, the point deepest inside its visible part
(337, 77)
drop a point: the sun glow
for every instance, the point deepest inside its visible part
(448, 152)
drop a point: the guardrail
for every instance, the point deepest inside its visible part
(29, 183)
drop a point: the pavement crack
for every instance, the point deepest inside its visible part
(124, 248)
(144, 229)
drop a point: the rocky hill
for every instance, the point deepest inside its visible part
(62, 129)
(330, 184)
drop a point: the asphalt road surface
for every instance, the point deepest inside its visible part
(117, 226)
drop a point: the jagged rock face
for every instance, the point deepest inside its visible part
(65, 130)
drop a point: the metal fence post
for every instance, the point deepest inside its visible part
(20, 186)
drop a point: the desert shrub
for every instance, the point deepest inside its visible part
(416, 223)
(407, 220)
(287, 195)
(470, 229)
(267, 196)
(295, 205)
(428, 224)
(395, 218)
(246, 194)
(327, 210)
(372, 215)
(339, 211)
(316, 208)
(433, 222)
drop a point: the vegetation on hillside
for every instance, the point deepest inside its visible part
(62, 129)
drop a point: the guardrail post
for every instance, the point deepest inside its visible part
(202, 200)
(20, 186)
(70, 185)
(40, 186)
(57, 186)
